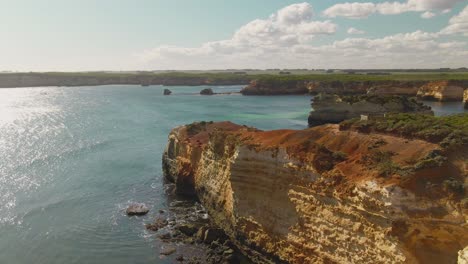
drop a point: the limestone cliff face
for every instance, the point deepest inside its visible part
(442, 91)
(465, 98)
(334, 109)
(428, 90)
(396, 88)
(318, 195)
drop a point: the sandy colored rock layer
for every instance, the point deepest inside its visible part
(318, 195)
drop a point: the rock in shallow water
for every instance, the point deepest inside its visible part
(157, 224)
(207, 91)
(137, 209)
(169, 250)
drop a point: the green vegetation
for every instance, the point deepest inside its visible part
(287, 79)
(448, 131)
(197, 127)
(382, 161)
(264, 77)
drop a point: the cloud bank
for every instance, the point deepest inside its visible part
(358, 10)
(288, 39)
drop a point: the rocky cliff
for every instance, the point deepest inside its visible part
(465, 98)
(409, 88)
(432, 90)
(323, 195)
(442, 91)
(329, 108)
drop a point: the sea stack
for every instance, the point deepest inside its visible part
(207, 91)
(167, 92)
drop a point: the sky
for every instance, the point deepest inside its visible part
(121, 35)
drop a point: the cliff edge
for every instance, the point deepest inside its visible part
(442, 91)
(329, 108)
(325, 194)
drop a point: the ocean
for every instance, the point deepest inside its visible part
(73, 158)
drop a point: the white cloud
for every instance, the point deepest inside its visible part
(363, 10)
(428, 14)
(458, 24)
(354, 31)
(286, 40)
(350, 10)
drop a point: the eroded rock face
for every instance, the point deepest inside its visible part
(318, 196)
(442, 91)
(328, 108)
(396, 88)
(465, 98)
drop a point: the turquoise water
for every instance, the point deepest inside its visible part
(72, 159)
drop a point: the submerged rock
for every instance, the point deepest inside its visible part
(137, 209)
(207, 91)
(167, 92)
(321, 195)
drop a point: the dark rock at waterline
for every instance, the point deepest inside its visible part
(167, 250)
(137, 209)
(187, 229)
(165, 236)
(157, 224)
(214, 234)
(207, 91)
(167, 92)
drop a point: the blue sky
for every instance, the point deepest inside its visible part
(66, 35)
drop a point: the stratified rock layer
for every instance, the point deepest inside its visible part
(317, 195)
(442, 91)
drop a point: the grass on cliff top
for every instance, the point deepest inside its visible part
(451, 132)
(361, 77)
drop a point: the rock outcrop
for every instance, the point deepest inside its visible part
(320, 195)
(207, 91)
(442, 91)
(465, 98)
(137, 209)
(271, 87)
(329, 108)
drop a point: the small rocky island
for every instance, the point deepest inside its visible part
(364, 191)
